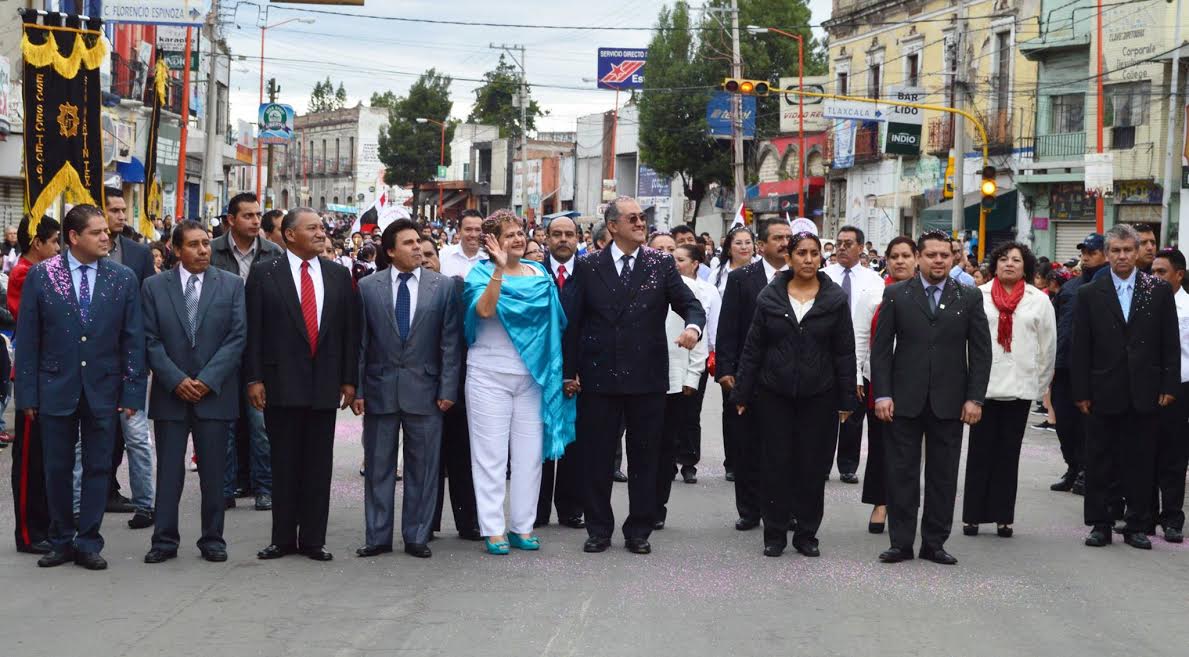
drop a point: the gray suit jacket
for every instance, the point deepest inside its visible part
(216, 354)
(222, 256)
(408, 376)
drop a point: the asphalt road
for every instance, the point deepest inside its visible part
(705, 590)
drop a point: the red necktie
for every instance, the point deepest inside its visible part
(309, 307)
(561, 277)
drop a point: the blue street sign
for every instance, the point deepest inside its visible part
(622, 68)
(718, 115)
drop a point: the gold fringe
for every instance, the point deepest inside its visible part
(161, 76)
(47, 54)
(66, 182)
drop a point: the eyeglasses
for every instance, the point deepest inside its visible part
(634, 218)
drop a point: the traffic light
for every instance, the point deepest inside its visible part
(746, 87)
(988, 188)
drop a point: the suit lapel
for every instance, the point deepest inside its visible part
(104, 280)
(62, 280)
(329, 302)
(916, 289)
(173, 290)
(425, 291)
(282, 277)
(1111, 297)
(388, 303)
(211, 281)
(606, 269)
(949, 294)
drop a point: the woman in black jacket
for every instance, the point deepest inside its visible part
(797, 373)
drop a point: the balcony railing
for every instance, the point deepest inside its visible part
(1061, 146)
(999, 127)
(867, 143)
(941, 136)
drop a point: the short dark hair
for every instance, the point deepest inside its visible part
(935, 235)
(797, 238)
(240, 199)
(1025, 253)
(611, 213)
(291, 217)
(76, 220)
(764, 226)
(270, 219)
(46, 228)
(178, 238)
(1144, 228)
(681, 229)
(859, 236)
(694, 253)
(901, 239)
(388, 238)
(113, 192)
(1173, 256)
(432, 243)
(470, 213)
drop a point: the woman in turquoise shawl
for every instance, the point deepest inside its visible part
(515, 405)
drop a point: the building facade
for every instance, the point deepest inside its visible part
(333, 160)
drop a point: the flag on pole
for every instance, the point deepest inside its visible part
(740, 217)
(371, 214)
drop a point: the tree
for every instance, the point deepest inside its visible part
(326, 98)
(340, 97)
(386, 99)
(494, 101)
(407, 149)
(673, 137)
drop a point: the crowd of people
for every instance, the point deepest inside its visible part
(519, 363)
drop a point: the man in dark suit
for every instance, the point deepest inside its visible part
(409, 366)
(79, 363)
(930, 363)
(734, 320)
(195, 331)
(561, 482)
(1125, 365)
(616, 356)
(301, 365)
(132, 433)
(235, 251)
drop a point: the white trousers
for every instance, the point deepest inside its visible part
(504, 414)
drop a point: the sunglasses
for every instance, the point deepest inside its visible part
(634, 218)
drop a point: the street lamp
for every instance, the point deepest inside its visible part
(264, 28)
(801, 182)
(441, 156)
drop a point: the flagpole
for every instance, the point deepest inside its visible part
(180, 188)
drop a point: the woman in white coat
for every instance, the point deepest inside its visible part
(1023, 352)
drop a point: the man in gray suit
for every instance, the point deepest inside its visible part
(195, 331)
(408, 377)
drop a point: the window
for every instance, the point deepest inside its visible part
(1002, 69)
(842, 83)
(1068, 113)
(351, 154)
(873, 81)
(1127, 104)
(913, 77)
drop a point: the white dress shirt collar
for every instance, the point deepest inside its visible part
(617, 255)
(770, 271)
(1119, 282)
(315, 275)
(554, 264)
(185, 274)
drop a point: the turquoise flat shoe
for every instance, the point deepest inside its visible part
(530, 543)
(495, 548)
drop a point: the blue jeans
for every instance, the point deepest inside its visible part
(260, 465)
(139, 448)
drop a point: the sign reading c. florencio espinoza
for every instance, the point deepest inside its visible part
(622, 68)
(160, 12)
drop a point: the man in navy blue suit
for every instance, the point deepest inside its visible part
(616, 355)
(80, 363)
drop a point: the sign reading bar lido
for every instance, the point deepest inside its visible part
(854, 110)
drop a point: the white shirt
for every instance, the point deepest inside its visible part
(711, 302)
(315, 274)
(76, 275)
(770, 271)
(554, 265)
(185, 276)
(1026, 371)
(493, 350)
(412, 284)
(617, 257)
(1181, 298)
(799, 309)
(456, 263)
(686, 365)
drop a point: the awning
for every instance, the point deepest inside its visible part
(1003, 217)
(342, 209)
(131, 172)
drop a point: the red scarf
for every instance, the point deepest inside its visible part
(1006, 302)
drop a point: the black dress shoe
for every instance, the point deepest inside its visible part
(596, 544)
(228, 503)
(807, 548)
(264, 502)
(373, 550)
(970, 530)
(1079, 485)
(658, 525)
(938, 555)
(896, 555)
(157, 555)
(317, 554)
(1100, 536)
(619, 476)
(689, 474)
(1065, 483)
(90, 560)
(638, 546)
(214, 554)
(242, 491)
(730, 476)
(419, 550)
(849, 478)
(470, 535)
(117, 503)
(875, 527)
(55, 558)
(1004, 531)
(1137, 540)
(1173, 535)
(747, 524)
(773, 550)
(141, 520)
(575, 522)
(40, 547)
(273, 552)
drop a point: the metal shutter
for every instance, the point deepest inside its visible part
(1068, 235)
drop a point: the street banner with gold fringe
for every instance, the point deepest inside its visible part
(152, 196)
(63, 134)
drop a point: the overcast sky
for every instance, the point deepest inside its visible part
(369, 54)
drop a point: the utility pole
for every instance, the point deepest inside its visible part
(523, 101)
(273, 90)
(212, 159)
(1170, 139)
(737, 109)
(958, 218)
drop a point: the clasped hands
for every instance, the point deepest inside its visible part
(972, 412)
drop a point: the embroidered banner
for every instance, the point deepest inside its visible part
(152, 195)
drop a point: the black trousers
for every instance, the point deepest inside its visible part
(689, 436)
(31, 512)
(598, 431)
(875, 486)
(993, 462)
(1172, 456)
(797, 443)
(1120, 447)
(302, 446)
(117, 458)
(943, 452)
(1071, 424)
(454, 470)
(745, 459)
(850, 441)
(59, 433)
(561, 485)
(678, 409)
(210, 445)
